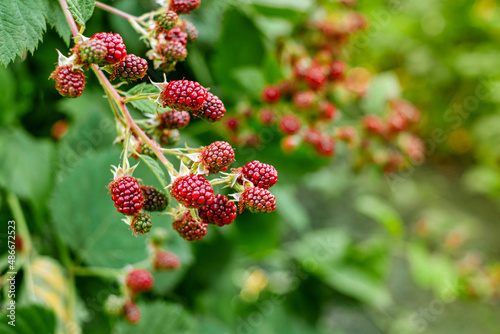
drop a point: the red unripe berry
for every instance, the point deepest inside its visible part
(257, 200)
(315, 77)
(396, 122)
(327, 110)
(69, 82)
(260, 174)
(126, 195)
(407, 110)
(326, 146)
(289, 125)
(177, 34)
(184, 6)
(212, 109)
(139, 280)
(131, 312)
(271, 94)
(114, 45)
(232, 123)
(290, 143)
(337, 69)
(217, 157)
(374, 125)
(312, 136)
(346, 134)
(221, 212)
(303, 100)
(189, 228)
(356, 22)
(193, 191)
(173, 119)
(163, 260)
(415, 148)
(130, 68)
(183, 95)
(266, 116)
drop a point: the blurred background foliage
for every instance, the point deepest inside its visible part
(416, 252)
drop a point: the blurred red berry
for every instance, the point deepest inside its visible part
(289, 125)
(304, 100)
(271, 94)
(337, 69)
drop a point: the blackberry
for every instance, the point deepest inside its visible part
(289, 124)
(184, 6)
(172, 51)
(221, 212)
(114, 45)
(173, 119)
(168, 19)
(163, 260)
(257, 200)
(91, 51)
(139, 280)
(193, 191)
(260, 174)
(154, 200)
(212, 109)
(126, 195)
(131, 312)
(183, 95)
(69, 82)
(217, 156)
(178, 35)
(191, 31)
(141, 223)
(130, 68)
(189, 228)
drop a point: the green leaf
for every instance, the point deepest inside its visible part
(55, 17)
(81, 9)
(26, 165)
(155, 168)
(160, 318)
(32, 319)
(22, 24)
(380, 212)
(86, 219)
(383, 87)
(291, 210)
(145, 106)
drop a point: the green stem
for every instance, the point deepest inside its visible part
(116, 11)
(139, 97)
(96, 271)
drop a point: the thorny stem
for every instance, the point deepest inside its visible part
(116, 11)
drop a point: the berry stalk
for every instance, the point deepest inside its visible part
(116, 11)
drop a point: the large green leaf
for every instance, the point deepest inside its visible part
(33, 319)
(86, 218)
(22, 24)
(160, 318)
(55, 17)
(381, 213)
(81, 9)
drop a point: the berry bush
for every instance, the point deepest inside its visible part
(142, 143)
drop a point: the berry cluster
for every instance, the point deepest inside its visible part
(305, 107)
(104, 49)
(169, 35)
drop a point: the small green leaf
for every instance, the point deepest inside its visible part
(146, 106)
(81, 10)
(32, 319)
(382, 213)
(22, 24)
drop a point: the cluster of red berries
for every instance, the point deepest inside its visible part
(131, 199)
(103, 49)
(170, 35)
(201, 206)
(304, 108)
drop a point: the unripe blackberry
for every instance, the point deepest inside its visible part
(191, 31)
(189, 228)
(303, 100)
(172, 51)
(396, 122)
(327, 110)
(177, 34)
(126, 195)
(337, 70)
(169, 137)
(217, 157)
(312, 136)
(168, 19)
(374, 125)
(221, 212)
(346, 134)
(289, 125)
(154, 200)
(260, 174)
(315, 77)
(212, 109)
(146, 150)
(139, 280)
(163, 260)
(290, 143)
(271, 94)
(232, 123)
(69, 82)
(114, 305)
(183, 95)
(173, 119)
(130, 68)
(184, 6)
(407, 110)
(114, 45)
(141, 223)
(326, 146)
(257, 200)
(91, 51)
(193, 191)
(266, 116)
(131, 312)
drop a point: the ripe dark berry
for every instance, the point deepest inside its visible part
(217, 157)
(141, 223)
(327, 110)
(184, 6)
(189, 228)
(139, 280)
(130, 68)
(92, 51)
(131, 312)
(172, 51)
(126, 194)
(183, 95)
(193, 191)
(374, 125)
(326, 146)
(69, 82)
(168, 19)
(163, 260)
(260, 174)
(221, 212)
(154, 200)
(177, 34)
(114, 45)
(271, 94)
(337, 69)
(212, 109)
(289, 125)
(303, 100)
(257, 200)
(191, 30)
(173, 119)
